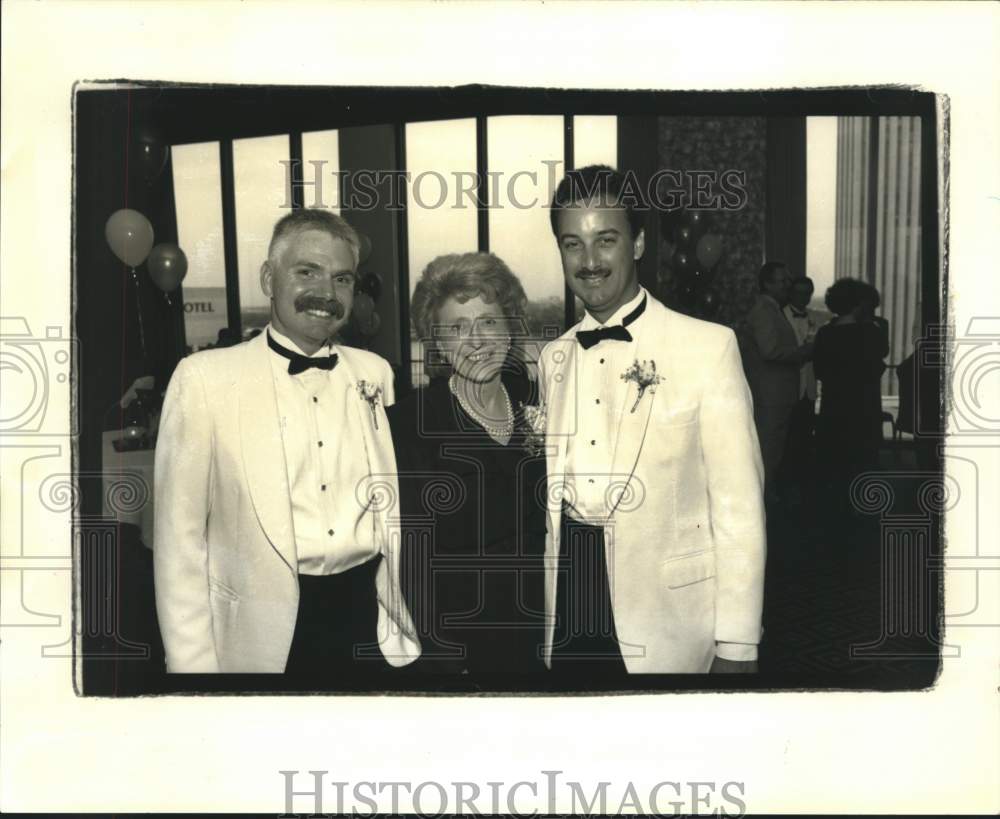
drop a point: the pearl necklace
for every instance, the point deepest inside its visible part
(505, 430)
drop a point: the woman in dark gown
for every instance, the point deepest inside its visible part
(848, 361)
(472, 481)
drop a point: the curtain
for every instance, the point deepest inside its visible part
(878, 220)
(785, 198)
(897, 234)
(853, 146)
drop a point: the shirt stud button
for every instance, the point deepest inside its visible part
(329, 531)
(602, 360)
(321, 443)
(322, 488)
(315, 400)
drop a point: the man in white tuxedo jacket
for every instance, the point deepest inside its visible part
(656, 538)
(273, 464)
(775, 356)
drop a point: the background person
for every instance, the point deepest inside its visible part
(849, 362)
(797, 471)
(774, 358)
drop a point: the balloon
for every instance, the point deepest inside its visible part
(709, 249)
(709, 302)
(682, 262)
(363, 309)
(371, 283)
(366, 320)
(150, 153)
(698, 221)
(684, 236)
(366, 248)
(167, 266)
(129, 235)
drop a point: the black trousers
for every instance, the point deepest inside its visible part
(337, 626)
(585, 644)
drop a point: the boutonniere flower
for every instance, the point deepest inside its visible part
(643, 373)
(372, 393)
(535, 419)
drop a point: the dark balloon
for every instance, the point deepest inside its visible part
(366, 248)
(709, 250)
(167, 266)
(697, 221)
(684, 236)
(150, 153)
(371, 284)
(683, 262)
(363, 308)
(363, 315)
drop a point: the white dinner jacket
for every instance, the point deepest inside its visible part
(226, 569)
(685, 541)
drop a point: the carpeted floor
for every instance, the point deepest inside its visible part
(849, 603)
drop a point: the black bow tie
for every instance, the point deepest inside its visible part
(298, 363)
(588, 338)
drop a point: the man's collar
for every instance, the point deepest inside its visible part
(288, 344)
(591, 323)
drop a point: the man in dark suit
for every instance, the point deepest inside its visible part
(774, 358)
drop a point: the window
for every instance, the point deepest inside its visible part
(440, 218)
(198, 198)
(821, 204)
(526, 154)
(871, 169)
(321, 147)
(261, 193)
(524, 162)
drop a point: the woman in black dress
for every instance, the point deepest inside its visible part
(848, 361)
(471, 478)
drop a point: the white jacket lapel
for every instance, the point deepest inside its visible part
(263, 450)
(560, 399)
(381, 491)
(633, 423)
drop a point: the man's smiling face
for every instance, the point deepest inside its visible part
(599, 256)
(311, 286)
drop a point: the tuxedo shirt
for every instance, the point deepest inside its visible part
(325, 462)
(590, 451)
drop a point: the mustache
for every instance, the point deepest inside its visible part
(309, 302)
(592, 271)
